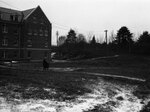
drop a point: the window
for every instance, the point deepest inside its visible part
(16, 31)
(15, 54)
(41, 32)
(29, 43)
(16, 42)
(35, 32)
(34, 20)
(3, 54)
(5, 29)
(42, 22)
(16, 17)
(29, 54)
(46, 44)
(45, 54)
(29, 31)
(46, 33)
(11, 17)
(4, 42)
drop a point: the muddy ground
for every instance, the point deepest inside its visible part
(27, 88)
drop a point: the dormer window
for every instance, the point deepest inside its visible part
(16, 17)
(11, 17)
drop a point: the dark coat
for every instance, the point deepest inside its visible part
(45, 64)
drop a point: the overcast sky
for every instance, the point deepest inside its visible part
(90, 16)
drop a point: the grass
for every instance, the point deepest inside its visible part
(29, 81)
(126, 65)
(66, 85)
(72, 83)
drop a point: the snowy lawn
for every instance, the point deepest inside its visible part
(52, 91)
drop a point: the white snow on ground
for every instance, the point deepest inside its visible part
(116, 76)
(103, 92)
(129, 106)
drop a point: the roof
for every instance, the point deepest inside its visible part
(25, 14)
(10, 11)
(22, 15)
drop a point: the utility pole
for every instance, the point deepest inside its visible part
(57, 34)
(106, 41)
(106, 35)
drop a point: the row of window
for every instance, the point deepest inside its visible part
(45, 45)
(29, 54)
(29, 43)
(36, 32)
(14, 17)
(37, 20)
(15, 54)
(5, 30)
(5, 54)
(5, 42)
(11, 17)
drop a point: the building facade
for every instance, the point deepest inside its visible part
(24, 34)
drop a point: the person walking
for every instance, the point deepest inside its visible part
(45, 64)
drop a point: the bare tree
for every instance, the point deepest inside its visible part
(112, 37)
(81, 38)
(90, 36)
(61, 40)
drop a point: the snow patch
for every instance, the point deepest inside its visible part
(103, 93)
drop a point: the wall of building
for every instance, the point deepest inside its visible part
(9, 39)
(34, 54)
(37, 35)
(30, 39)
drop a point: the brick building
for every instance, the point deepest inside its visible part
(24, 34)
